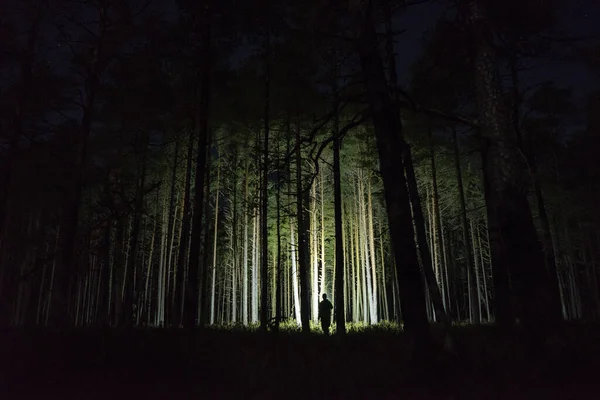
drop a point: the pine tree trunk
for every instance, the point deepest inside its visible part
(179, 279)
(303, 256)
(371, 236)
(314, 252)
(413, 192)
(544, 223)
(195, 294)
(340, 322)
(322, 235)
(117, 275)
(294, 247)
(255, 249)
(467, 246)
(278, 276)
(388, 128)
(245, 261)
(234, 249)
(513, 240)
(213, 269)
(264, 198)
(130, 289)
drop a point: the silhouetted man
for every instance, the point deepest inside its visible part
(325, 308)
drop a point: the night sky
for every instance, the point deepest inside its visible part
(579, 18)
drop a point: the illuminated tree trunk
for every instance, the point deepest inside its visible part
(371, 237)
(234, 274)
(264, 197)
(254, 303)
(360, 285)
(245, 261)
(179, 272)
(294, 247)
(323, 268)
(348, 263)
(314, 252)
(437, 238)
(162, 269)
(447, 297)
(303, 256)
(474, 303)
(170, 257)
(146, 304)
(478, 252)
(386, 310)
(213, 270)
(431, 226)
(477, 291)
(195, 290)
(364, 231)
(279, 303)
(130, 286)
(354, 267)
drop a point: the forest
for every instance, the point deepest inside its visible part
(215, 167)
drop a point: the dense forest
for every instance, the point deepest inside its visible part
(215, 163)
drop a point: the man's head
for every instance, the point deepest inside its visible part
(324, 296)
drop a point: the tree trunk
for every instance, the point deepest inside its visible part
(179, 285)
(413, 191)
(245, 261)
(130, 289)
(196, 289)
(340, 321)
(463, 212)
(303, 256)
(544, 223)
(278, 285)
(388, 129)
(514, 245)
(213, 269)
(264, 198)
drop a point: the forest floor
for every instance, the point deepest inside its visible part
(375, 363)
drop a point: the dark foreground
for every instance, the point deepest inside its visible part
(166, 364)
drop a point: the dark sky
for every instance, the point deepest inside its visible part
(579, 18)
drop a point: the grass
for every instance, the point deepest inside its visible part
(238, 362)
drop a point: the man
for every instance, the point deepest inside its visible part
(325, 308)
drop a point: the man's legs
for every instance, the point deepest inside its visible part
(325, 323)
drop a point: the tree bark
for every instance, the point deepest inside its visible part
(264, 198)
(413, 191)
(515, 248)
(303, 257)
(130, 288)
(196, 291)
(340, 320)
(465, 224)
(386, 121)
